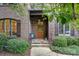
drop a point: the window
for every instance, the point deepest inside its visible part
(9, 26)
(64, 29)
(60, 28)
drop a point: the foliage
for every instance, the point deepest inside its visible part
(76, 24)
(12, 37)
(60, 42)
(77, 42)
(19, 8)
(65, 40)
(61, 11)
(71, 41)
(3, 40)
(17, 46)
(73, 49)
(13, 44)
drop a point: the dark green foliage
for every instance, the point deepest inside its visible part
(61, 11)
(71, 48)
(67, 41)
(3, 40)
(74, 50)
(17, 46)
(77, 42)
(60, 42)
(71, 41)
(13, 44)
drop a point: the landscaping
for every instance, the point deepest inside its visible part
(66, 45)
(13, 46)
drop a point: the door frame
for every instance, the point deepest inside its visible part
(38, 13)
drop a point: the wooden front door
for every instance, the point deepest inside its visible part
(39, 28)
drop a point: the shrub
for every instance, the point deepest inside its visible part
(73, 50)
(17, 46)
(71, 41)
(60, 42)
(12, 37)
(72, 46)
(3, 40)
(77, 42)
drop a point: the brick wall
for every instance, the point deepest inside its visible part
(6, 12)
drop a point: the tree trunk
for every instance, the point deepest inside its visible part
(73, 11)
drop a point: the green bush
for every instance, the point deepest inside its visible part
(71, 50)
(17, 46)
(60, 42)
(71, 47)
(71, 41)
(66, 39)
(12, 37)
(3, 40)
(77, 42)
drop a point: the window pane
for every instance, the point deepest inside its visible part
(7, 22)
(1, 25)
(67, 28)
(60, 28)
(14, 26)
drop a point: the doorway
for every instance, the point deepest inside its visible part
(39, 27)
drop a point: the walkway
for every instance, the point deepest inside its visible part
(44, 51)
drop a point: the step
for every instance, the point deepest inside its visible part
(40, 45)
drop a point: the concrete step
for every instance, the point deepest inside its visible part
(40, 45)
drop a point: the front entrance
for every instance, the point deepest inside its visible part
(39, 27)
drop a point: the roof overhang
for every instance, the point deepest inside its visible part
(35, 12)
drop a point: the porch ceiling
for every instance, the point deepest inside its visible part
(35, 12)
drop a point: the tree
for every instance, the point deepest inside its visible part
(62, 12)
(19, 8)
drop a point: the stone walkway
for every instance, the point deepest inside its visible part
(44, 51)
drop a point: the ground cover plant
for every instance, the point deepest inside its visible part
(66, 45)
